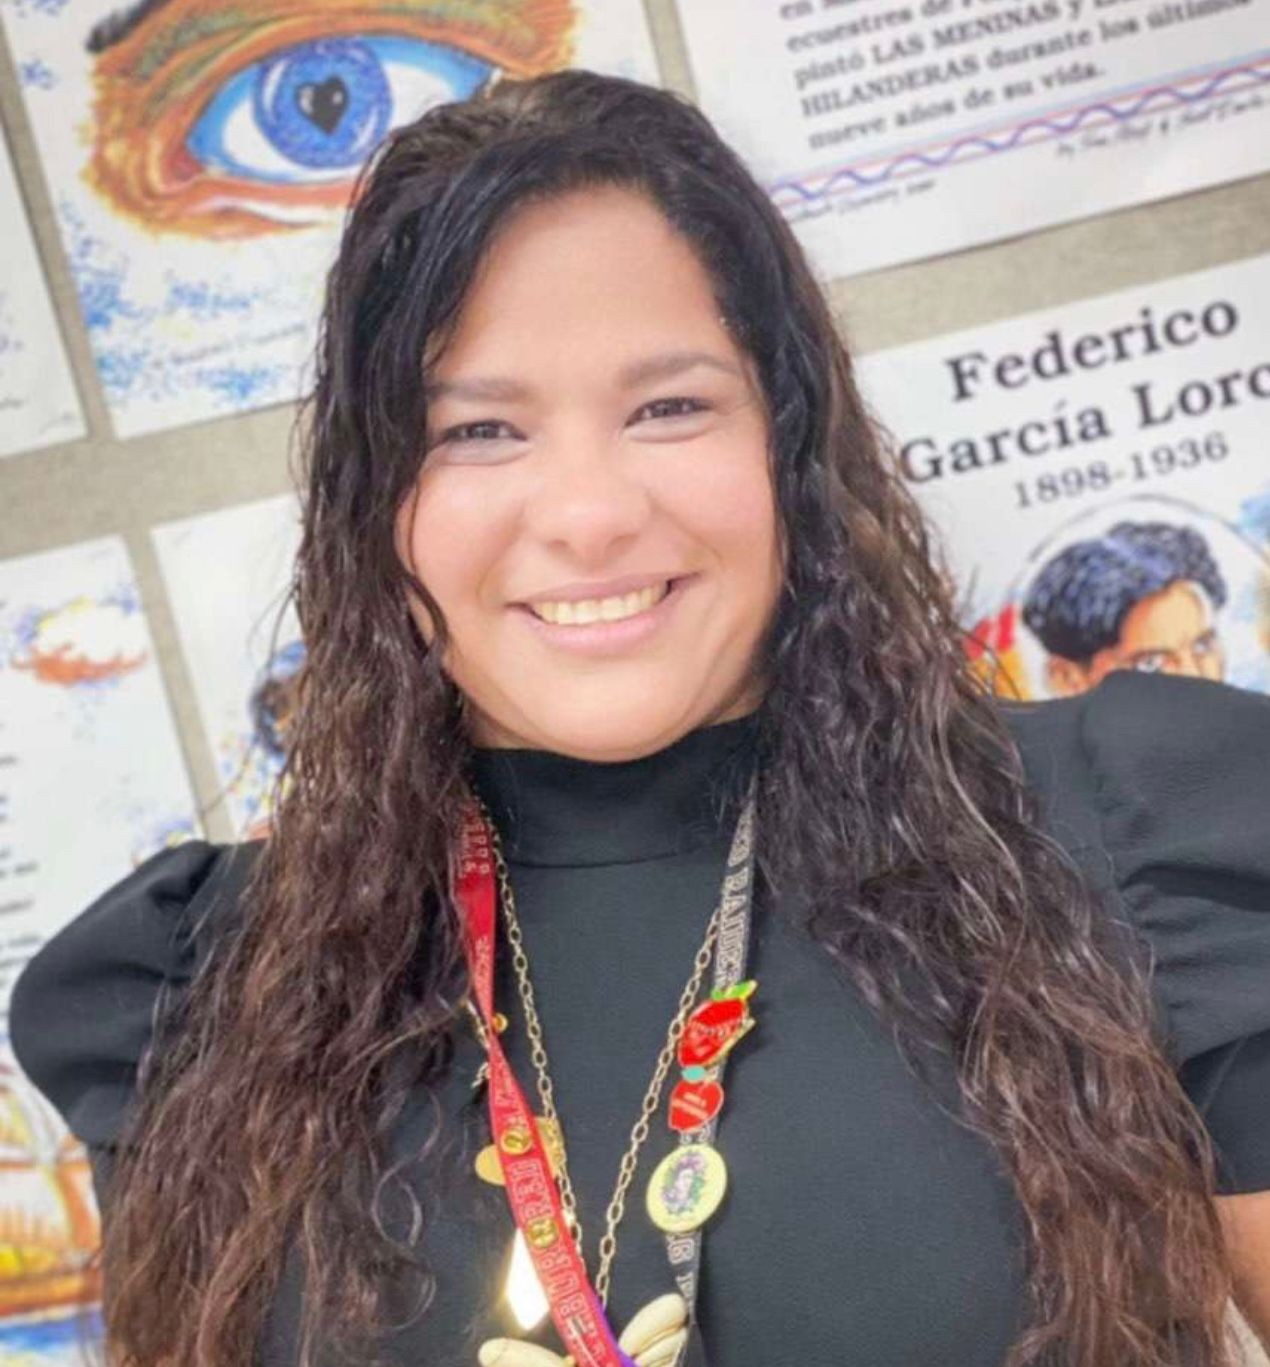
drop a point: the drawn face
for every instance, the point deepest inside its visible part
(594, 512)
(1170, 632)
(232, 118)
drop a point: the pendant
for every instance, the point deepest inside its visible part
(490, 1169)
(686, 1188)
(655, 1337)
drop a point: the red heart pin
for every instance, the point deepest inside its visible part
(693, 1104)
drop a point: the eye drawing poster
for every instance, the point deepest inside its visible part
(201, 153)
(227, 575)
(1098, 477)
(91, 783)
(38, 403)
(888, 130)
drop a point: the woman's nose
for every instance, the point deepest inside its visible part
(588, 499)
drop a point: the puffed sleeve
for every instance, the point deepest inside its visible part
(1175, 775)
(83, 1008)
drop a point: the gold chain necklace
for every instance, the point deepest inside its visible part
(546, 1091)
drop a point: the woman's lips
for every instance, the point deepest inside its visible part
(608, 638)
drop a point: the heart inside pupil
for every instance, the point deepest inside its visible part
(323, 102)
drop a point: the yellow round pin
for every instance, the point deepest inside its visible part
(490, 1169)
(686, 1188)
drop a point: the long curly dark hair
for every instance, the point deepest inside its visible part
(892, 801)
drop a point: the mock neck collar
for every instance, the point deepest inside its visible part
(554, 809)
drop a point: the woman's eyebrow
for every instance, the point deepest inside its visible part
(664, 366)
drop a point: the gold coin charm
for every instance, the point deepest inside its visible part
(542, 1233)
(516, 1140)
(490, 1169)
(686, 1188)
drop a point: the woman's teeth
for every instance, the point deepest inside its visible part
(583, 611)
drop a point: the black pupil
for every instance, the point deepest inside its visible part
(323, 102)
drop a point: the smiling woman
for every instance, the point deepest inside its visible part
(636, 766)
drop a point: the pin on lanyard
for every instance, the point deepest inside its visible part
(731, 954)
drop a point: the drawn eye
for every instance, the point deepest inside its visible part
(229, 118)
(314, 111)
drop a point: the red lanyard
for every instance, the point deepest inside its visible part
(531, 1188)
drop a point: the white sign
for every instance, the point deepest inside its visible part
(1100, 477)
(888, 130)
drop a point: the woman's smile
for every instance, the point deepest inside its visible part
(606, 625)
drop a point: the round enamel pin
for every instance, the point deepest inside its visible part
(686, 1188)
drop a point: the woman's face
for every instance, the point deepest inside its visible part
(594, 513)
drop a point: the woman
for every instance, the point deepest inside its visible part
(597, 532)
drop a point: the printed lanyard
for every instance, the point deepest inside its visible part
(531, 1188)
(731, 953)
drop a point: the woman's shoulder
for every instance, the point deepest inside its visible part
(1162, 783)
(1180, 737)
(83, 1007)
(1170, 777)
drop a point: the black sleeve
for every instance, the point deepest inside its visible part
(1182, 768)
(83, 1008)
(1173, 775)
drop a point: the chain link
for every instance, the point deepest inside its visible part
(546, 1092)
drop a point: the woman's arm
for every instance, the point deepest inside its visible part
(1246, 1221)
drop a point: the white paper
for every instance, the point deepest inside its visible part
(227, 575)
(193, 315)
(91, 783)
(91, 775)
(888, 130)
(38, 403)
(1035, 442)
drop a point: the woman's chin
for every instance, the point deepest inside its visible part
(606, 730)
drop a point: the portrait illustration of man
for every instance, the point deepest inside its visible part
(1144, 595)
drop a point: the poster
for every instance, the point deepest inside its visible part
(91, 783)
(889, 130)
(38, 403)
(200, 154)
(228, 574)
(1099, 476)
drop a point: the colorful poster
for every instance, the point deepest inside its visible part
(91, 783)
(888, 130)
(38, 403)
(228, 574)
(1098, 477)
(200, 155)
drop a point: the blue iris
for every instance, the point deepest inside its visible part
(315, 110)
(323, 104)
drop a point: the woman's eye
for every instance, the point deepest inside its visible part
(694, 406)
(486, 430)
(473, 431)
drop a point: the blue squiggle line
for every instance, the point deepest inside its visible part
(1055, 126)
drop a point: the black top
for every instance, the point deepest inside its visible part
(861, 1223)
